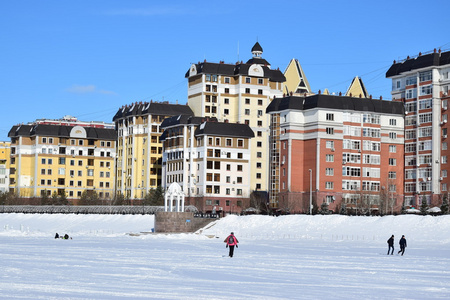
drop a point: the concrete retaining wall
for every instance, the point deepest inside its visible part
(178, 222)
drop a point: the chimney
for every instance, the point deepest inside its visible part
(319, 92)
(381, 97)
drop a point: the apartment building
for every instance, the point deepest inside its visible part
(210, 160)
(239, 93)
(422, 83)
(139, 150)
(343, 151)
(4, 166)
(64, 157)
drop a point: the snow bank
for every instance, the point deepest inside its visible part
(426, 229)
(85, 225)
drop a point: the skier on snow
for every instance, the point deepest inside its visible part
(231, 241)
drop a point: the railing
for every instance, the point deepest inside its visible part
(91, 209)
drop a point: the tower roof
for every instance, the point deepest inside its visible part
(257, 48)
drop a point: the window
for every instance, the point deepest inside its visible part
(329, 144)
(226, 101)
(260, 81)
(260, 92)
(226, 111)
(227, 79)
(247, 79)
(329, 158)
(247, 111)
(392, 148)
(330, 117)
(411, 93)
(260, 102)
(392, 161)
(392, 122)
(330, 130)
(392, 175)
(425, 76)
(392, 135)
(329, 185)
(411, 80)
(247, 90)
(329, 171)
(258, 144)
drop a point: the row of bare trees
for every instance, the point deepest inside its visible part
(154, 197)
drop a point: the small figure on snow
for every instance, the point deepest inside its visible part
(66, 236)
(56, 236)
(231, 241)
(391, 245)
(402, 243)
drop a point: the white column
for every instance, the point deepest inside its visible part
(182, 202)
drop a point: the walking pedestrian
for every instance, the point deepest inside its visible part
(231, 241)
(390, 242)
(402, 243)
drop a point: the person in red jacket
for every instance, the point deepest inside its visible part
(231, 241)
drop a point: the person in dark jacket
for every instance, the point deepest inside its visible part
(231, 241)
(56, 236)
(402, 243)
(390, 242)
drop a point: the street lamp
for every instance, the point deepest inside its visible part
(310, 191)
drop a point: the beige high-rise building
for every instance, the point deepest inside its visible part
(239, 93)
(139, 150)
(63, 157)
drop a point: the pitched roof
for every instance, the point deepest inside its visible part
(234, 70)
(225, 129)
(357, 88)
(335, 102)
(296, 81)
(421, 61)
(152, 108)
(60, 131)
(208, 126)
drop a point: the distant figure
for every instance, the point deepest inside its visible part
(56, 236)
(391, 245)
(402, 245)
(66, 236)
(231, 241)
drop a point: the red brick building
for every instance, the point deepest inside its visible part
(343, 151)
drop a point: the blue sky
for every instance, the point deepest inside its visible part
(88, 58)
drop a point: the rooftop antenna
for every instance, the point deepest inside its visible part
(238, 51)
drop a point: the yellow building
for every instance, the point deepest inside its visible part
(239, 93)
(4, 166)
(139, 150)
(65, 156)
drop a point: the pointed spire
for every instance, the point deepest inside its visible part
(257, 50)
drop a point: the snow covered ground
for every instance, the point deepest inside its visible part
(289, 257)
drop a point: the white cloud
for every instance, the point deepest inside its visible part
(87, 89)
